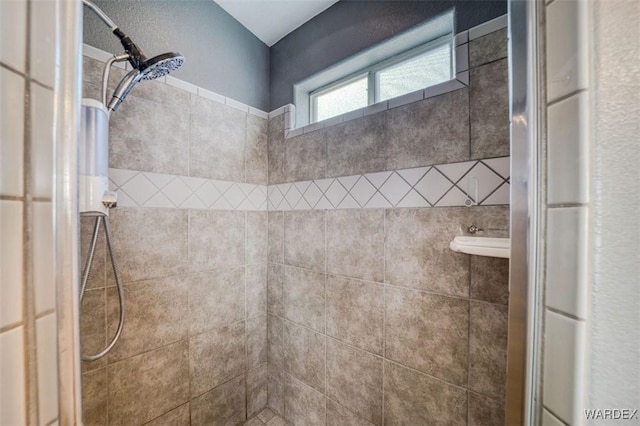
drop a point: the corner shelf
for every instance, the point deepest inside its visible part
(482, 246)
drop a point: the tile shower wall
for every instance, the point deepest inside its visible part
(194, 345)
(28, 326)
(372, 319)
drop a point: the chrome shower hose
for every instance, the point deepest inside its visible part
(85, 278)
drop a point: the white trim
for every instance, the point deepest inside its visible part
(237, 105)
(258, 113)
(212, 96)
(180, 84)
(277, 112)
(371, 74)
(405, 99)
(462, 57)
(461, 38)
(100, 55)
(460, 81)
(488, 27)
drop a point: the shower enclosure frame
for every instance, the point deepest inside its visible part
(526, 45)
(67, 94)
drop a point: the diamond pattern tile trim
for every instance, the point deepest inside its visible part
(444, 185)
(146, 189)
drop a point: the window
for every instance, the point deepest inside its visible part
(413, 70)
(423, 70)
(416, 59)
(340, 98)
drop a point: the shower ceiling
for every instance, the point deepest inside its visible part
(271, 20)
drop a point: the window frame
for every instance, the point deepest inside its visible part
(345, 81)
(371, 73)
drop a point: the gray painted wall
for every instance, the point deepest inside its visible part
(348, 27)
(221, 54)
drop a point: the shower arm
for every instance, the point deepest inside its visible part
(136, 57)
(105, 73)
(103, 16)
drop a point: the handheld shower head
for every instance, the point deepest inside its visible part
(156, 67)
(124, 87)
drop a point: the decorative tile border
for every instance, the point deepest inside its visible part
(477, 182)
(146, 189)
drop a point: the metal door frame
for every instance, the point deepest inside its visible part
(525, 44)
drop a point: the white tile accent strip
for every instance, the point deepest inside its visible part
(146, 189)
(443, 185)
(432, 186)
(101, 55)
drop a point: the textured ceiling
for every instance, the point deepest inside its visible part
(271, 20)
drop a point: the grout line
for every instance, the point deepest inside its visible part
(28, 79)
(544, 407)
(565, 97)
(384, 347)
(469, 339)
(14, 70)
(326, 281)
(12, 198)
(11, 326)
(246, 323)
(481, 203)
(389, 285)
(383, 359)
(28, 286)
(469, 110)
(52, 422)
(347, 408)
(167, 412)
(191, 398)
(486, 63)
(45, 313)
(566, 205)
(564, 314)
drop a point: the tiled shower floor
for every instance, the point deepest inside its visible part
(267, 417)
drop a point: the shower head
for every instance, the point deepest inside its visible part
(161, 65)
(124, 87)
(150, 69)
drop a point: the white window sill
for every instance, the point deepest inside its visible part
(290, 130)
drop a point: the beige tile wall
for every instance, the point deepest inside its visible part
(194, 345)
(372, 319)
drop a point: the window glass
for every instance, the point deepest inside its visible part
(427, 69)
(344, 98)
